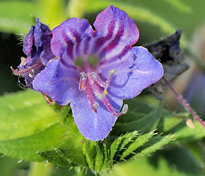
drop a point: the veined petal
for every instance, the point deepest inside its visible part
(37, 35)
(58, 83)
(115, 31)
(68, 35)
(94, 126)
(136, 71)
(28, 42)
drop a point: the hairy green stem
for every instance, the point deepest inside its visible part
(40, 168)
(184, 103)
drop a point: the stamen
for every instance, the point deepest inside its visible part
(93, 84)
(31, 74)
(94, 75)
(125, 108)
(83, 75)
(25, 71)
(112, 71)
(96, 105)
(23, 61)
(105, 91)
(101, 96)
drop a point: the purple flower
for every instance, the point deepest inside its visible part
(36, 47)
(97, 70)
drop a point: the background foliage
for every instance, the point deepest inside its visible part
(33, 131)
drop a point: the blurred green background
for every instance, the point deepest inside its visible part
(154, 18)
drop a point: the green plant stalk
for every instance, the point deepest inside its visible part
(40, 168)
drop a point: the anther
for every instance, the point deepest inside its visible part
(125, 108)
(96, 105)
(31, 74)
(105, 91)
(94, 75)
(112, 71)
(23, 61)
(83, 75)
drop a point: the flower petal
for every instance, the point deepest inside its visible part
(136, 71)
(28, 42)
(93, 126)
(115, 31)
(58, 83)
(68, 35)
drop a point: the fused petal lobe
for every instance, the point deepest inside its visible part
(94, 126)
(67, 35)
(136, 71)
(115, 31)
(113, 21)
(53, 82)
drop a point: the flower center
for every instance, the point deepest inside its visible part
(93, 60)
(95, 87)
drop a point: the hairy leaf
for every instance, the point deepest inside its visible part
(25, 113)
(140, 117)
(154, 144)
(140, 141)
(26, 148)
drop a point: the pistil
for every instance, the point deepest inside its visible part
(92, 84)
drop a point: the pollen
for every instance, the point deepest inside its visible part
(23, 61)
(112, 71)
(105, 92)
(31, 74)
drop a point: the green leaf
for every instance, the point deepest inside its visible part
(99, 159)
(22, 110)
(26, 148)
(140, 117)
(64, 157)
(120, 143)
(107, 164)
(138, 142)
(15, 16)
(93, 154)
(176, 124)
(154, 144)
